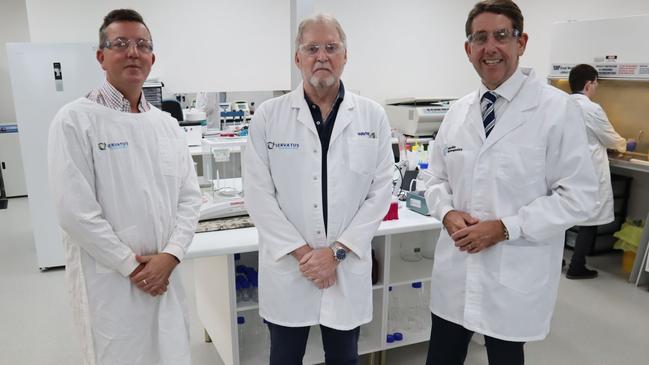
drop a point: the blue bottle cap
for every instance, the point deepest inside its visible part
(423, 165)
(416, 284)
(390, 338)
(398, 336)
(241, 320)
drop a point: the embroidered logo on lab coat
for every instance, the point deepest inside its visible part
(283, 146)
(112, 146)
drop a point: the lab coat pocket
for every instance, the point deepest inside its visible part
(362, 155)
(169, 151)
(525, 268)
(521, 165)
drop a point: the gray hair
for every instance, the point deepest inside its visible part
(319, 19)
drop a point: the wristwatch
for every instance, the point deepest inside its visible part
(339, 253)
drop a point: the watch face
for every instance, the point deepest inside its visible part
(340, 254)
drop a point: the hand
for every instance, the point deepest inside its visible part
(319, 265)
(301, 251)
(326, 282)
(479, 236)
(153, 278)
(455, 220)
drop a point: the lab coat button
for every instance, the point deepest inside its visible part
(315, 205)
(317, 232)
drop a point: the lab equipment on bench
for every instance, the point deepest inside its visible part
(417, 116)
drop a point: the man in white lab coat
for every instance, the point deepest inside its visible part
(601, 135)
(510, 173)
(317, 176)
(127, 200)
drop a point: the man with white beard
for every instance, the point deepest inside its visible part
(317, 178)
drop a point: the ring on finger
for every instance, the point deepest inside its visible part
(144, 281)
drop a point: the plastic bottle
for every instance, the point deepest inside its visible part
(416, 314)
(241, 328)
(245, 290)
(394, 311)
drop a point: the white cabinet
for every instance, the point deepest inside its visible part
(218, 309)
(11, 162)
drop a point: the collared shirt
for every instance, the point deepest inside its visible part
(324, 132)
(108, 96)
(506, 92)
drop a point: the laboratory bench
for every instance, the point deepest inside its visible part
(216, 298)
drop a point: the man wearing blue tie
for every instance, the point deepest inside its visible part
(510, 172)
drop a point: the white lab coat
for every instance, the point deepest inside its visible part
(282, 172)
(534, 173)
(123, 184)
(601, 135)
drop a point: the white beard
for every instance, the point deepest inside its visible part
(322, 83)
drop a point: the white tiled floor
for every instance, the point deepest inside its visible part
(597, 322)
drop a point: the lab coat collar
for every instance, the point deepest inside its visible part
(509, 88)
(521, 98)
(343, 119)
(303, 114)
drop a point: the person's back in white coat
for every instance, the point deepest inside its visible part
(601, 135)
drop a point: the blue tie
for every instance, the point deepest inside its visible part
(488, 113)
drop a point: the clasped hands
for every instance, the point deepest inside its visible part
(152, 275)
(470, 234)
(317, 265)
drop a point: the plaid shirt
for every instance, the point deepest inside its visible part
(108, 96)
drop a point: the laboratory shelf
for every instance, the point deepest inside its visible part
(406, 272)
(214, 277)
(246, 306)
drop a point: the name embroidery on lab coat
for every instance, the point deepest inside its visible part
(449, 149)
(367, 134)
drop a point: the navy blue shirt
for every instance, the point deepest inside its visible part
(324, 132)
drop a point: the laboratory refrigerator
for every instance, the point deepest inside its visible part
(44, 77)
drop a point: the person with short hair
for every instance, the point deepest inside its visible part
(317, 178)
(601, 135)
(510, 172)
(127, 199)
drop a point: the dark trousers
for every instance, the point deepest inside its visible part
(288, 344)
(449, 343)
(583, 243)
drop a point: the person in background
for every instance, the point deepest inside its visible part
(510, 172)
(317, 177)
(601, 135)
(127, 199)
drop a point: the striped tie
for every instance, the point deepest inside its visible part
(488, 112)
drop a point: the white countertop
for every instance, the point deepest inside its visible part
(245, 239)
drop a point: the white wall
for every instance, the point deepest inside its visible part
(13, 28)
(415, 47)
(200, 45)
